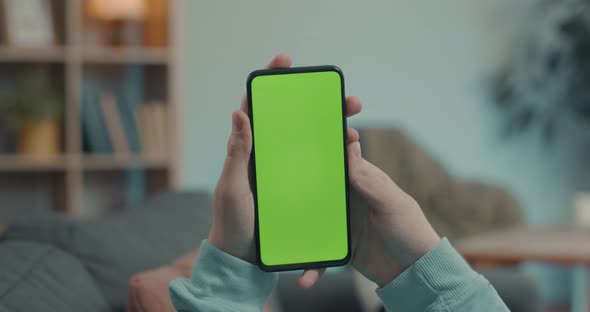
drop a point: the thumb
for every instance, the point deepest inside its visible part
(371, 182)
(239, 145)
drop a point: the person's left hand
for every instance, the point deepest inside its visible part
(233, 203)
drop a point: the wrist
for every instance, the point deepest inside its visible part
(420, 247)
(241, 251)
(387, 275)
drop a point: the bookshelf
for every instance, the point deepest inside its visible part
(41, 55)
(73, 173)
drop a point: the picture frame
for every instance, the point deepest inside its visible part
(28, 23)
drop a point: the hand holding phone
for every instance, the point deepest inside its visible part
(387, 236)
(232, 230)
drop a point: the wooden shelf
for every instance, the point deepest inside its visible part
(118, 162)
(19, 163)
(103, 55)
(54, 54)
(74, 178)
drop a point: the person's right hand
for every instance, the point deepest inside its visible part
(391, 233)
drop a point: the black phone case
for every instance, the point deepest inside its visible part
(308, 265)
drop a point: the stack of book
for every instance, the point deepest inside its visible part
(113, 125)
(152, 120)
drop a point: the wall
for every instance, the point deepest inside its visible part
(421, 65)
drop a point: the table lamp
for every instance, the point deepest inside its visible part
(121, 18)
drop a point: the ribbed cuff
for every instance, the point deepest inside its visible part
(440, 273)
(223, 275)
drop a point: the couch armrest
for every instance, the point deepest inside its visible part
(455, 208)
(469, 208)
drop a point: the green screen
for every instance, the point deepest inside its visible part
(300, 167)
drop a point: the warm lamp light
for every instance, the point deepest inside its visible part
(114, 10)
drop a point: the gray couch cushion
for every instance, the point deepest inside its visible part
(335, 291)
(114, 249)
(40, 277)
(516, 289)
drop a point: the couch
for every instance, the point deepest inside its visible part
(53, 263)
(67, 264)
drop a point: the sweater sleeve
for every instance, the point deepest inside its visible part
(441, 280)
(221, 282)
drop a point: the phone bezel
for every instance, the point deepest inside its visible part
(306, 265)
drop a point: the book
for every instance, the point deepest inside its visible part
(96, 139)
(150, 117)
(114, 125)
(159, 119)
(146, 128)
(152, 121)
(140, 129)
(127, 114)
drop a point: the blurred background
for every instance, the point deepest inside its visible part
(114, 118)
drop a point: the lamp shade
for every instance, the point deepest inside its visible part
(110, 10)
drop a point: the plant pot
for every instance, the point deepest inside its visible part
(39, 138)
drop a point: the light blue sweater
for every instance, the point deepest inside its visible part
(438, 281)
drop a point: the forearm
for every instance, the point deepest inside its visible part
(441, 281)
(221, 282)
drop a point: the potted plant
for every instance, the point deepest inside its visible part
(545, 86)
(33, 108)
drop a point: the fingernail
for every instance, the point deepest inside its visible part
(236, 122)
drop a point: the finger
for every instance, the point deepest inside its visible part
(371, 182)
(244, 105)
(238, 146)
(310, 277)
(352, 135)
(282, 60)
(353, 106)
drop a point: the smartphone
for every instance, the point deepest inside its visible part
(299, 167)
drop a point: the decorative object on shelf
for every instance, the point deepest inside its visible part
(546, 85)
(34, 108)
(39, 138)
(120, 20)
(582, 210)
(156, 23)
(28, 23)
